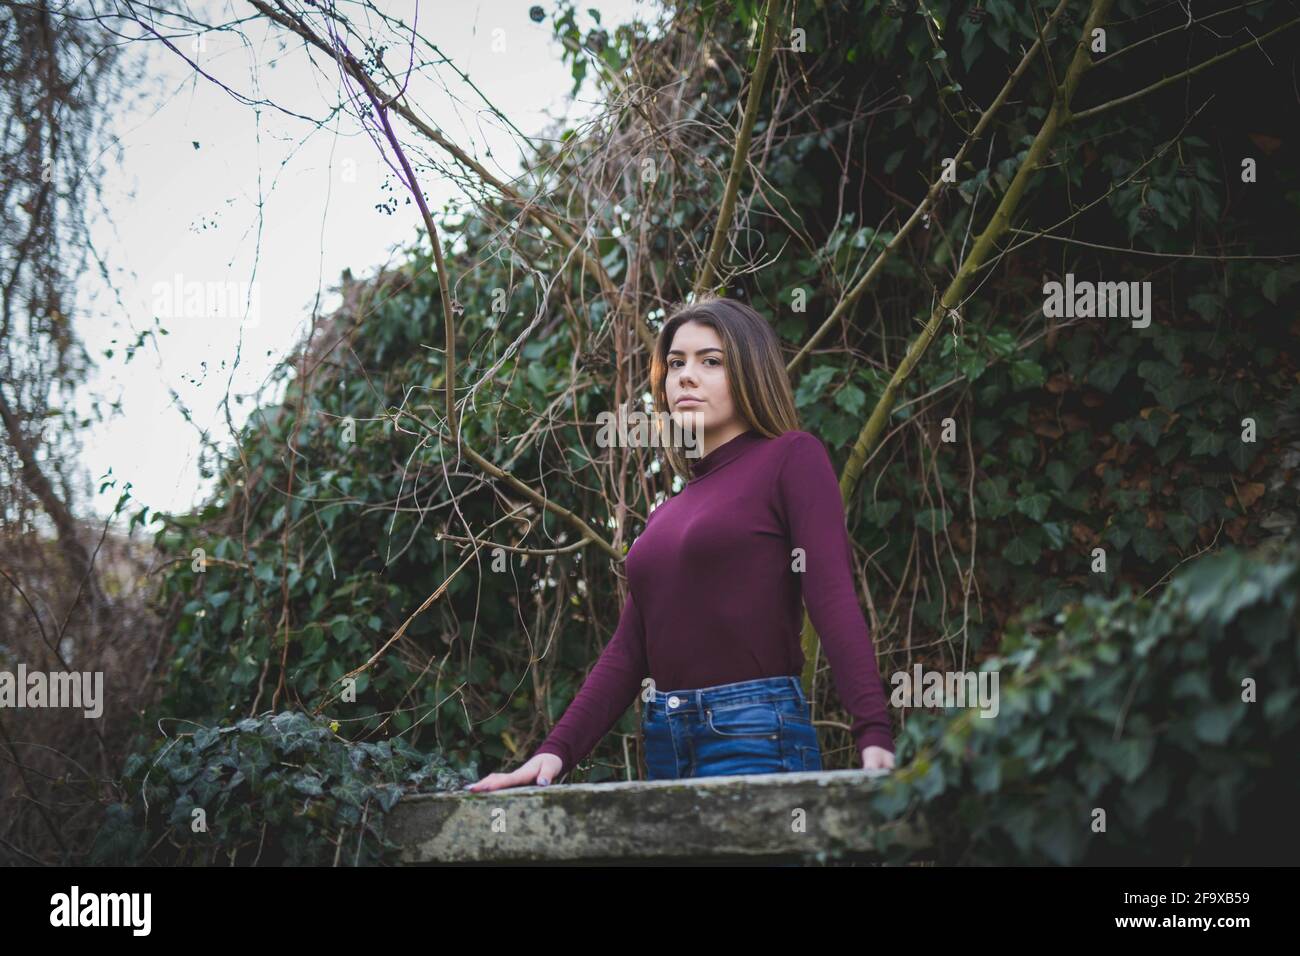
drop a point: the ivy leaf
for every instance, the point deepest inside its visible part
(881, 513)
(1002, 344)
(971, 364)
(1128, 757)
(1105, 375)
(389, 796)
(1204, 441)
(813, 384)
(932, 520)
(1242, 453)
(1034, 506)
(1026, 373)
(1021, 550)
(1200, 503)
(1214, 725)
(309, 784)
(1059, 475)
(1023, 448)
(851, 398)
(1276, 281)
(933, 782)
(987, 776)
(1148, 544)
(1148, 430)
(1182, 528)
(1057, 534)
(1147, 795)
(995, 497)
(1001, 36)
(973, 46)
(1061, 838)
(1118, 535)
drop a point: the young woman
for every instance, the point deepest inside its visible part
(717, 578)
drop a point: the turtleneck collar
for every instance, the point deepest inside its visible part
(728, 451)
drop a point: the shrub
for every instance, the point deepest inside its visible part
(273, 789)
(1139, 708)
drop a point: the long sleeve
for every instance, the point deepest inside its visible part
(607, 692)
(809, 492)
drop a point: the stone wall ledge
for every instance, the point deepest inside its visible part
(745, 818)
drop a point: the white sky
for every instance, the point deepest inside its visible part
(194, 212)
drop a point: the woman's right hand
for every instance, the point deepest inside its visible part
(541, 769)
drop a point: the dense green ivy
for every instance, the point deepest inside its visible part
(1130, 731)
(278, 789)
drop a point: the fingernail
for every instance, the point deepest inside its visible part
(543, 781)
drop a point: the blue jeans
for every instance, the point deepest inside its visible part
(755, 726)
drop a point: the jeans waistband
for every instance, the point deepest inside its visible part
(699, 699)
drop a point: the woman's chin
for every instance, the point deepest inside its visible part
(692, 418)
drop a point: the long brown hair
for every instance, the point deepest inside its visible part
(756, 375)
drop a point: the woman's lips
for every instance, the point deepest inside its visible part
(688, 401)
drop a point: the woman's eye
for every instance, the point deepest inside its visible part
(672, 363)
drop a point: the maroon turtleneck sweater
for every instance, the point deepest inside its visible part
(715, 591)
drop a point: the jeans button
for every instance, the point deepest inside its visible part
(674, 701)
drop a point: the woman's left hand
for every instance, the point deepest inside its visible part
(877, 758)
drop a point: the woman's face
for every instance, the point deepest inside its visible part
(697, 370)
